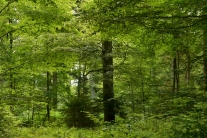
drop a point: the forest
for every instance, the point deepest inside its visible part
(103, 68)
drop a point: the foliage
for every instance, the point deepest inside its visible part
(7, 121)
(136, 126)
(51, 68)
(78, 111)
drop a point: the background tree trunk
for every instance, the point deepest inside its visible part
(205, 58)
(55, 76)
(48, 94)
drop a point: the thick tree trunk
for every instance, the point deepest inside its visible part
(108, 92)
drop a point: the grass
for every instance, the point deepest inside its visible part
(120, 130)
(52, 132)
(134, 128)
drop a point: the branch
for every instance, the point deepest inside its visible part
(180, 27)
(159, 85)
(17, 66)
(191, 24)
(10, 2)
(136, 19)
(12, 68)
(7, 33)
(11, 31)
(91, 71)
(98, 70)
(22, 27)
(168, 17)
(125, 55)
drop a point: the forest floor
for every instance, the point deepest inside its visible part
(64, 132)
(52, 132)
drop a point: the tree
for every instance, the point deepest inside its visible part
(108, 89)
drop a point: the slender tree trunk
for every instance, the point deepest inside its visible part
(205, 58)
(55, 77)
(178, 70)
(143, 99)
(33, 111)
(93, 94)
(108, 92)
(188, 66)
(174, 74)
(33, 108)
(84, 81)
(79, 81)
(48, 96)
(10, 37)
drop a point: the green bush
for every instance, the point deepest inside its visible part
(191, 126)
(78, 112)
(7, 121)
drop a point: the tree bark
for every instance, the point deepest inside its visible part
(108, 92)
(205, 58)
(79, 81)
(178, 71)
(174, 74)
(55, 76)
(188, 66)
(10, 38)
(48, 96)
(93, 93)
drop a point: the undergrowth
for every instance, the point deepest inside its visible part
(135, 126)
(131, 128)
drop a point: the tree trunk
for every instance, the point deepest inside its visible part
(188, 66)
(55, 76)
(205, 58)
(93, 93)
(108, 92)
(10, 37)
(48, 96)
(174, 74)
(79, 81)
(178, 71)
(84, 82)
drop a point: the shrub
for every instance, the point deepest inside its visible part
(77, 112)
(7, 120)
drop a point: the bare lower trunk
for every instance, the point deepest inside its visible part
(205, 58)
(54, 96)
(188, 67)
(174, 75)
(48, 96)
(108, 92)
